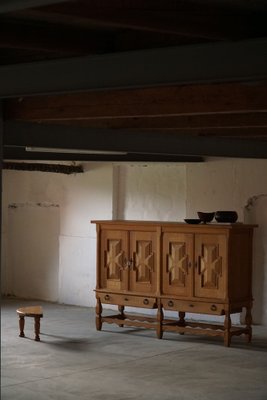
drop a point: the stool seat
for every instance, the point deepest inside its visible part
(35, 312)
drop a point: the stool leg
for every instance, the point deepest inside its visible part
(21, 326)
(37, 328)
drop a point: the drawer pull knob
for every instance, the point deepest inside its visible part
(107, 297)
(125, 299)
(213, 307)
(170, 303)
(191, 305)
(146, 301)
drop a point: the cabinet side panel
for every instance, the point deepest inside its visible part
(98, 255)
(240, 266)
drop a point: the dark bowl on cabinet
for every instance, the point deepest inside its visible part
(193, 221)
(205, 216)
(226, 216)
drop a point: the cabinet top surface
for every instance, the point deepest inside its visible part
(236, 225)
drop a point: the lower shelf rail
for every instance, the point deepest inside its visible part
(181, 325)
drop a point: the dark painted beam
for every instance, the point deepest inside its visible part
(187, 19)
(1, 139)
(220, 62)
(15, 5)
(37, 37)
(1, 167)
(19, 153)
(152, 142)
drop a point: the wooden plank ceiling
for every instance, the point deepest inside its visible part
(182, 122)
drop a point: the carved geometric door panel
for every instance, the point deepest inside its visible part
(143, 262)
(210, 267)
(177, 264)
(114, 254)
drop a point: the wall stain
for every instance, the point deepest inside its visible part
(252, 200)
(39, 204)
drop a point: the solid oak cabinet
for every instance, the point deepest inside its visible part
(203, 269)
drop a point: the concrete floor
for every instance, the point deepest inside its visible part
(74, 361)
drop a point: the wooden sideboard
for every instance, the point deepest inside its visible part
(204, 269)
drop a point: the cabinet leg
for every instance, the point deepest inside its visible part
(181, 321)
(21, 326)
(98, 318)
(227, 328)
(160, 317)
(248, 321)
(121, 311)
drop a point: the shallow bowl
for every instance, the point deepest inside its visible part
(192, 221)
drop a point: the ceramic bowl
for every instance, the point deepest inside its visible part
(205, 216)
(192, 221)
(226, 216)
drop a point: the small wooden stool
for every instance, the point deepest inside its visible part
(35, 312)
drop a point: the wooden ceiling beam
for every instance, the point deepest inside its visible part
(240, 121)
(48, 38)
(260, 132)
(189, 19)
(187, 100)
(15, 5)
(136, 20)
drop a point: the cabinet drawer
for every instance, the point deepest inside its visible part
(193, 306)
(127, 300)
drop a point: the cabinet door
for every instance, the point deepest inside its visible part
(143, 258)
(113, 260)
(177, 264)
(210, 265)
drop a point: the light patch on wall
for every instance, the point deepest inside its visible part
(33, 250)
(151, 192)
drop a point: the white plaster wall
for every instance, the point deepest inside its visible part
(224, 184)
(79, 199)
(33, 250)
(77, 270)
(228, 184)
(256, 212)
(173, 192)
(152, 192)
(142, 192)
